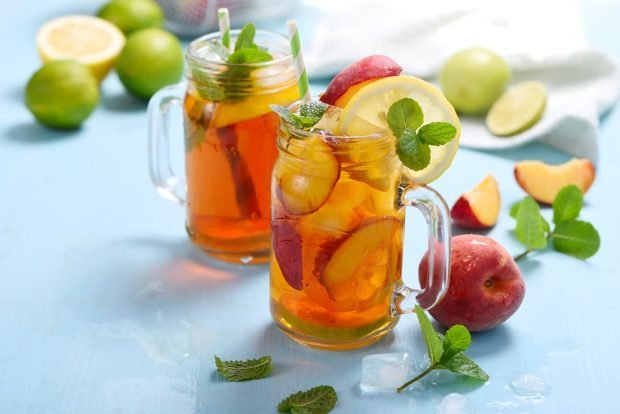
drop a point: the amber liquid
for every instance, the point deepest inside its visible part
(348, 252)
(230, 152)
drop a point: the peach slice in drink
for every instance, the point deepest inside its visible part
(355, 267)
(305, 177)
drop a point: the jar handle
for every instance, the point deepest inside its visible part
(437, 215)
(168, 184)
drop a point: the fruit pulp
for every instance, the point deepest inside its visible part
(230, 151)
(336, 261)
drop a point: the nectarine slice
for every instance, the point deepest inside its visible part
(478, 208)
(543, 181)
(360, 258)
(287, 249)
(375, 66)
(305, 177)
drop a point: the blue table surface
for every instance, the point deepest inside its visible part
(106, 307)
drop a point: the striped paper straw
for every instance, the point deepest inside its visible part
(224, 21)
(298, 61)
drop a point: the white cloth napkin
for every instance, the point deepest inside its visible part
(540, 39)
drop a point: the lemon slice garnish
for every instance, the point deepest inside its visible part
(91, 41)
(366, 113)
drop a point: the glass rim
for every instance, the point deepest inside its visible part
(192, 56)
(306, 134)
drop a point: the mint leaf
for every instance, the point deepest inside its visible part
(576, 238)
(463, 365)
(432, 341)
(567, 204)
(530, 230)
(437, 133)
(317, 400)
(514, 210)
(244, 370)
(297, 121)
(245, 40)
(313, 109)
(412, 152)
(404, 114)
(245, 56)
(457, 339)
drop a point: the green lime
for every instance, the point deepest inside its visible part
(518, 109)
(132, 15)
(62, 94)
(150, 60)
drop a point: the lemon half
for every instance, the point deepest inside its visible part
(91, 41)
(366, 113)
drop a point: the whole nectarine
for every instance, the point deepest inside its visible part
(486, 286)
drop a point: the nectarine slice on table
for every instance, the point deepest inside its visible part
(305, 178)
(375, 66)
(479, 207)
(361, 259)
(543, 181)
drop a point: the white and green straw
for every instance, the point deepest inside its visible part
(223, 19)
(298, 61)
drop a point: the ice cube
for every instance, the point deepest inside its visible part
(530, 385)
(384, 372)
(455, 404)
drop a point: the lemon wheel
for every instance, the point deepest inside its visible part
(366, 113)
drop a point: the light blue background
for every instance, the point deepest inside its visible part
(105, 307)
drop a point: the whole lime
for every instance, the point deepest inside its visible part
(151, 59)
(473, 79)
(62, 94)
(132, 15)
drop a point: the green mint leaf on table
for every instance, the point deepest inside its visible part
(412, 152)
(576, 238)
(404, 114)
(245, 40)
(567, 204)
(244, 370)
(313, 109)
(437, 133)
(446, 352)
(530, 230)
(317, 400)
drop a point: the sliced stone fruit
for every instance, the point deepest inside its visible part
(478, 208)
(543, 181)
(358, 262)
(287, 249)
(305, 178)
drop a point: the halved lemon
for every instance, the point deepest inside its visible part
(91, 41)
(366, 113)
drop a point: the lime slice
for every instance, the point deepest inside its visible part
(366, 113)
(518, 109)
(91, 41)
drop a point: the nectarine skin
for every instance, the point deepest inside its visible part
(375, 66)
(288, 252)
(486, 286)
(463, 215)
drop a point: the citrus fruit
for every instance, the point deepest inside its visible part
(518, 109)
(91, 41)
(62, 94)
(366, 113)
(151, 59)
(473, 79)
(132, 15)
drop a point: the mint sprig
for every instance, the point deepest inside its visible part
(405, 119)
(250, 369)
(235, 82)
(446, 352)
(309, 114)
(570, 235)
(317, 400)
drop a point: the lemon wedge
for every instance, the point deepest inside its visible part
(518, 109)
(91, 41)
(366, 113)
